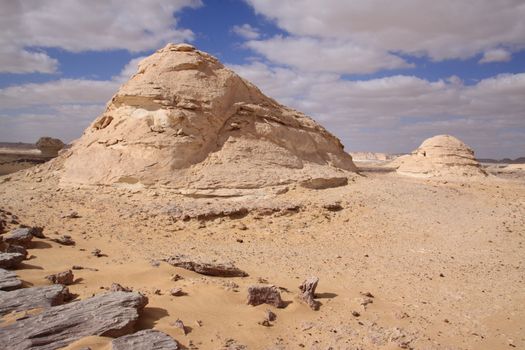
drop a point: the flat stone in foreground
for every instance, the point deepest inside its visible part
(9, 280)
(147, 339)
(109, 314)
(226, 269)
(32, 298)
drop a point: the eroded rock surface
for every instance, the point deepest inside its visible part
(65, 277)
(147, 339)
(265, 294)
(20, 236)
(184, 120)
(440, 156)
(16, 249)
(10, 260)
(108, 314)
(219, 269)
(307, 293)
(9, 280)
(32, 298)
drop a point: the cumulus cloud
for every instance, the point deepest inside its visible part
(496, 55)
(445, 29)
(246, 31)
(76, 25)
(326, 55)
(15, 59)
(129, 69)
(59, 108)
(394, 114)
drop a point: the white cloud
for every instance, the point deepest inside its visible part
(496, 55)
(76, 25)
(326, 55)
(445, 29)
(60, 108)
(129, 69)
(19, 60)
(246, 31)
(395, 114)
(58, 92)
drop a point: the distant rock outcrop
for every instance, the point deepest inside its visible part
(19, 156)
(440, 156)
(371, 156)
(49, 146)
(184, 120)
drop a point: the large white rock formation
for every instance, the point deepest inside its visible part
(440, 156)
(184, 120)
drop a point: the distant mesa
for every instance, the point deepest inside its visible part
(184, 120)
(440, 156)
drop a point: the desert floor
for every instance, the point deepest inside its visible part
(444, 260)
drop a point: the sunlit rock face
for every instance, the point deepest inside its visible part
(443, 156)
(186, 121)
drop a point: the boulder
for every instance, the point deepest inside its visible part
(9, 280)
(149, 339)
(265, 294)
(219, 269)
(65, 277)
(37, 231)
(109, 314)
(16, 249)
(32, 298)
(10, 260)
(19, 236)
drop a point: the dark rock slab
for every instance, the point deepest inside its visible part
(32, 298)
(37, 231)
(333, 206)
(265, 294)
(109, 314)
(116, 287)
(10, 260)
(323, 183)
(307, 292)
(65, 277)
(9, 280)
(220, 269)
(64, 240)
(19, 236)
(16, 249)
(147, 339)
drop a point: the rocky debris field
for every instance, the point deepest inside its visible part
(384, 262)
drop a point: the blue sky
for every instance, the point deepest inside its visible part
(381, 76)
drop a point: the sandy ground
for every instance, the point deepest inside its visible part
(444, 261)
